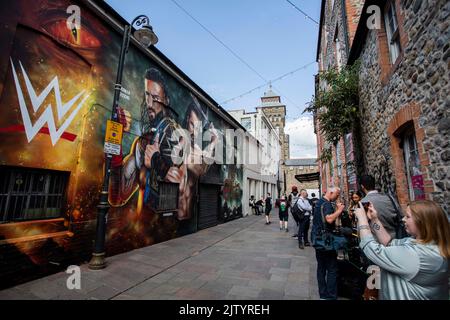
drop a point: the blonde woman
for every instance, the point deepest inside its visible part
(414, 268)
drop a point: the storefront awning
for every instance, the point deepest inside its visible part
(308, 177)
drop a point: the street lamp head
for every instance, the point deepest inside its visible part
(145, 34)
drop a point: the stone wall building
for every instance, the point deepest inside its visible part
(404, 99)
(404, 111)
(296, 167)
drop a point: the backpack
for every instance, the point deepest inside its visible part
(297, 213)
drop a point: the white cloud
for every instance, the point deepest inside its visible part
(303, 141)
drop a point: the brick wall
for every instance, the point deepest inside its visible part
(415, 91)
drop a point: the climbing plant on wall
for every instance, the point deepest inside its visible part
(335, 105)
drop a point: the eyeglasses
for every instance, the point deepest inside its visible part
(156, 98)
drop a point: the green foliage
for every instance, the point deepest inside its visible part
(327, 155)
(336, 104)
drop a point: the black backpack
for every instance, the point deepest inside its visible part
(296, 212)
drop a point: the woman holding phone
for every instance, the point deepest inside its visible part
(414, 268)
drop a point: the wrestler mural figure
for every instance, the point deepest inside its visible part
(197, 159)
(150, 157)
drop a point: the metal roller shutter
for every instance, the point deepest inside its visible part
(208, 206)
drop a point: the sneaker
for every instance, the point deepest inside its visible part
(287, 230)
(281, 229)
(295, 236)
(307, 244)
(301, 246)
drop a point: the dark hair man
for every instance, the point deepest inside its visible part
(268, 208)
(149, 160)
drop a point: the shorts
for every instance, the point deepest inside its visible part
(268, 211)
(284, 216)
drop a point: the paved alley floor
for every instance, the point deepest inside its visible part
(242, 259)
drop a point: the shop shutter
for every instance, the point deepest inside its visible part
(208, 206)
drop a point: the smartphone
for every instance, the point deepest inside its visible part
(366, 206)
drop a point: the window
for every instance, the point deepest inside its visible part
(31, 194)
(393, 36)
(246, 123)
(168, 196)
(412, 167)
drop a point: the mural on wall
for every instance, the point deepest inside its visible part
(232, 193)
(55, 99)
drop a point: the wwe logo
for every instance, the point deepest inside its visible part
(47, 116)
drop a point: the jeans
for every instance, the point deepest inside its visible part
(327, 269)
(303, 228)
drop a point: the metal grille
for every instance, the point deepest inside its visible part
(168, 196)
(31, 194)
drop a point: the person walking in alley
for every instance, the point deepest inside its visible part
(303, 228)
(327, 265)
(313, 201)
(413, 268)
(268, 208)
(293, 198)
(259, 206)
(283, 205)
(252, 204)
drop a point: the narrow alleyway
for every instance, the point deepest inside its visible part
(243, 259)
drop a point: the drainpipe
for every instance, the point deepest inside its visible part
(346, 34)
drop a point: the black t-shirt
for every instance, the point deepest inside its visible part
(269, 202)
(327, 210)
(282, 204)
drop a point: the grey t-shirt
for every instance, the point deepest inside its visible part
(409, 270)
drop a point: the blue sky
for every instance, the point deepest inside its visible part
(270, 35)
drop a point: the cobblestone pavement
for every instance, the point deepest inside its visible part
(242, 259)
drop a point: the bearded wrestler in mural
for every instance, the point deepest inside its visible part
(150, 158)
(195, 164)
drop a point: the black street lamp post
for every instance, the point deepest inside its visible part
(146, 37)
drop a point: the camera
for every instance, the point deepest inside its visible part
(366, 206)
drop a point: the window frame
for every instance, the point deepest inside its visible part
(168, 198)
(392, 32)
(408, 136)
(52, 203)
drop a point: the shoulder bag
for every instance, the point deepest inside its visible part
(325, 240)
